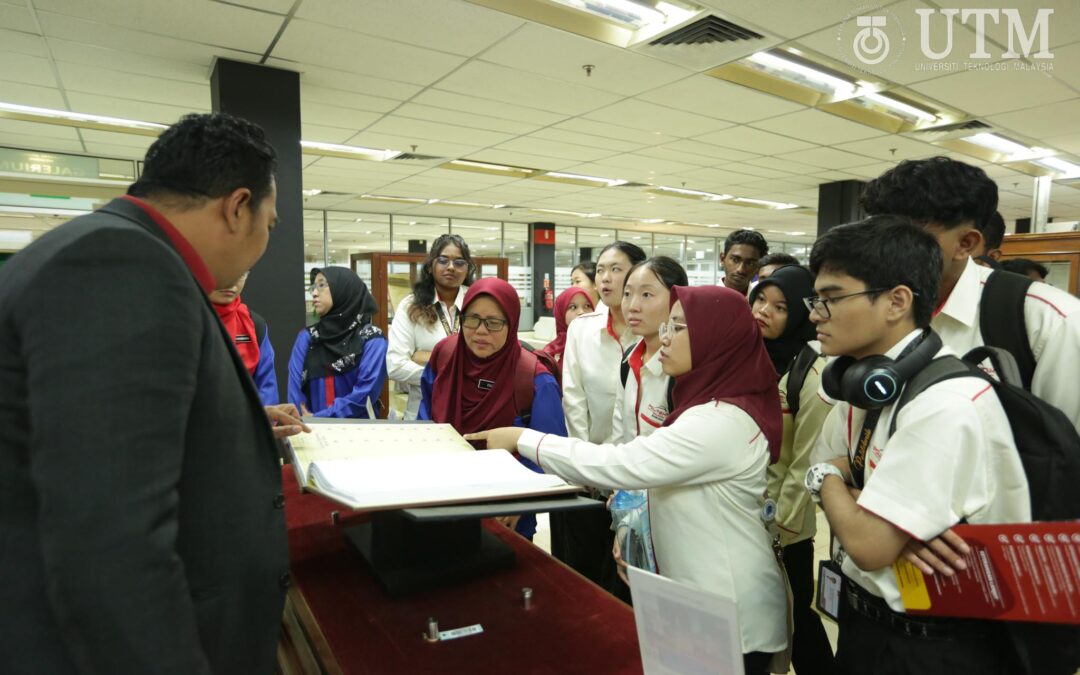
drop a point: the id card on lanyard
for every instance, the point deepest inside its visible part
(450, 330)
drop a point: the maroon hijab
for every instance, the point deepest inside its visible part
(562, 304)
(729, 360)
(472, 393)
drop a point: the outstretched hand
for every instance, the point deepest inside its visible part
(285, 420)
(503, 437)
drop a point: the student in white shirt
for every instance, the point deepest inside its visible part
(595, 344)
(956, 202)
(641, 402)
(432, 312)
(777, 304)
(705, 468)
(951, 457)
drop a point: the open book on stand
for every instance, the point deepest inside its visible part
(381, 465)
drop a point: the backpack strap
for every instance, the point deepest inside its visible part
(804, 361)
(1001, 319)
(940, 369)
(260, 327)
(624, 365)
(670, 394)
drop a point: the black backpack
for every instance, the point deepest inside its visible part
(804, 361)
(624, 372)
(260, 327)
(1001, 319)
(1049, 449)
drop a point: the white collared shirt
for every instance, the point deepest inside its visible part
(705, 474)
(952, 458)
(590, 374)
(1052, 318)
(407, 337)
(641, 406)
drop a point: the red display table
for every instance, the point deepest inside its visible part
(337, 619)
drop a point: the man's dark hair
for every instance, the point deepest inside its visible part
(1023, 266)
(631, 251)
(884, 252)
(994, 231)
(667, 270)
(936, 190)
(778, 258)
(207, 156)
(748, 237)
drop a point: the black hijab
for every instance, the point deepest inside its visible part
(795, 282)
(337, 340)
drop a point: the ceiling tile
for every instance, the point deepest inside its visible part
(438, 98)
(25, 69)
(47, 143)
(1055, 119)
(792, 18)
(16, 17)
(826, 158)
(890, 148)
(324, 134)
(436, 131)
(113, 106)
(345, 99)
(77, 77)
(38, 129)
(817, 127)
(718, 99)
(117, 60)
(1068, 143)
(754, 140)
(518, 158)
(464, 119)
(548, 148)
(710, 151)
(651, 117)
(423, 23)
(332, 47)
(564, 54)
(499, 83)
(611, 130)
(21, 43)
(562, 135)
(28, 94)
(334, 116)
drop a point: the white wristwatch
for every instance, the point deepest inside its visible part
(815, 476)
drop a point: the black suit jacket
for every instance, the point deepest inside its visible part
(141, 523)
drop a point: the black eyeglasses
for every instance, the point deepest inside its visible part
(458, 263)
(472, 322)
(816, 303)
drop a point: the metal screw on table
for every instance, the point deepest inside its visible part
(432, 633)
(526, 597)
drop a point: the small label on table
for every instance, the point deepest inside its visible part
(456, 633)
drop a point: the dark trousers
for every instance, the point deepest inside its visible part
(811, 653)
(868, 646)
(582, 540)
(756, 663)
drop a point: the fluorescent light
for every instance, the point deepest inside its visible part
(336, 149)
(15, 239)
(599, 180)
(770, 61)
(43, 211)
(474, 205)
(998, 143)
(1057, 164)
(900, 106)
(575, 214)
(487, 165)
(650, 221)
(81, 117)
(707, 196)
(312, 192)
(390, 198)
(779, 206)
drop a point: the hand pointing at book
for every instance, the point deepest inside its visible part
(503, 437)
(285, 420)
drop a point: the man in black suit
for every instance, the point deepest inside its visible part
(141, 518)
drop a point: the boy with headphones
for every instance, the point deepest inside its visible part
(950, 458)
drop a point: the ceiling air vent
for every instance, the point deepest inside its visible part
(412, 156)
(959, 126)
(707, 30)
(632, 185)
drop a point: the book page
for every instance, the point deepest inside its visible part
(330, 441)
(395, 481)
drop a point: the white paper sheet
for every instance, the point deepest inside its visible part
(684, 630)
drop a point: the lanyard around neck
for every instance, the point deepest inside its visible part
(450, 330)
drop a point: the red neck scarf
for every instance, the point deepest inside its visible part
(473, 393)
(238, 323)
(562, 305)
(729, 361)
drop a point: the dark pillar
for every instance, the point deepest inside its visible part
(584, 254)
(543, 266)
(838, 203)
(270, 98)
(418, 246)
(1023, 225)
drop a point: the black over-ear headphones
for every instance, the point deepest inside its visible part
(875, 381)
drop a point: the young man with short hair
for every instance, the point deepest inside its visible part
(743, 250)
(950, 458)
(954, 202)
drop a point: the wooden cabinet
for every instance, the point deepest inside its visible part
(1059, 251)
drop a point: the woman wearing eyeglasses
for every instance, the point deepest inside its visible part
(704, 468)
(431, 313)
(483, 377)
(778, 307)
(338, 365)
